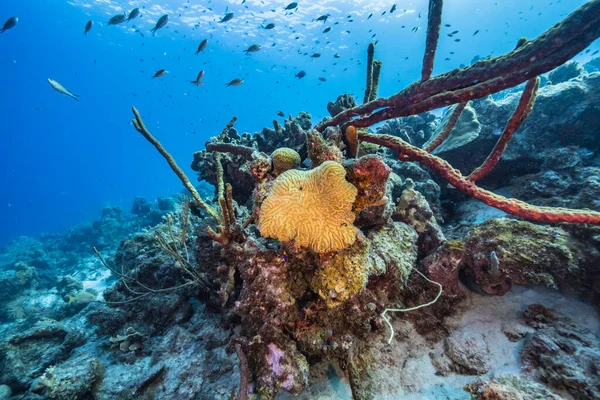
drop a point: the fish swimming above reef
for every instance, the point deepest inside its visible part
(82, 298)
(280, 113)
(117, 19)
(235, 82)
(133, 14)
(159, 73)
(291, 6)
(252, 49)
(61, 89)
(226, 18)
(198, 81)
(269, 26)
(162, 21)
(88, 27)
(300, 75)
(202, 46)
(323, 18)
(9, 24)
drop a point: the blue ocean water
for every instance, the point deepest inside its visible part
(62, 160)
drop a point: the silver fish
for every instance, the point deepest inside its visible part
(61, 89)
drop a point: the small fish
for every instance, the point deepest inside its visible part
(162, 21)
(198, 81)
(316, 55)
(393, 8)
(117, 19)
(269, 26)
(252, 49)
(370, 15)
(323, 18)
(280, 113)
(235, 82)
(61, 89)
(226, 18)
(82, 298)
(133, 14)
(457, 40)
(476, 32)
(327, 29)
(88, 27)
(595, 52)
(322, 79)
(447, 25)
(291, 6)
(454, 33)
(300, 74)
(159, 73)
(202, 46)
(337, 55)
(9, 24)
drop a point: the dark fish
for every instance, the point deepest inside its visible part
(457, 40)
(269, 26)
(383, 13)
(162, 21)
(476, 32)
(226, 18)
(322, 79)
(454, 33)
(316, 55)
(202, 46)
(88, 27)
(595, 52)
(323, 18)
(235, 82)
(117, 19)
(198, 81)
(291, 6)
(133, 14)
(370, 15)
(300, 74)
(252, 49)
(9, 24)
(159, 73)
(393, 9)
(327, 29)
(447, 25)
(280, 113)
(337, 55)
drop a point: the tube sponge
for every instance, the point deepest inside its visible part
(312, 208)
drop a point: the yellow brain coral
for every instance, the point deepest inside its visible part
(285, 159)
(313, 208)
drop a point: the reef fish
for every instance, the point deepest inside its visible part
(9, 24)
(323, 18)
(159, 73)
(226, 18)
(162, 21)
(202, 46)
(252, 49)
(235, 82)
(133, 14)
(300, 74)
(269, 26)
(61, 89)
(88, 27)
(117, 19)
(82, 298)
(280, 113)
(198, 81)
(291, 6)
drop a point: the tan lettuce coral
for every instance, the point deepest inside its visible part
(312, 208)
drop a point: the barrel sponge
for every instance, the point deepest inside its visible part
(285, 159)
(313, 208)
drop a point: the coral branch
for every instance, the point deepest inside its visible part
(456, 179)
(433, 34)
(138, 123)
(370, 55)
(559, 44)
(447, 129)
(244, 151)
(225, 130)
(375, 81)
(523, 109)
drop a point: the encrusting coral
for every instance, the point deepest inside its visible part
(312, 208)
